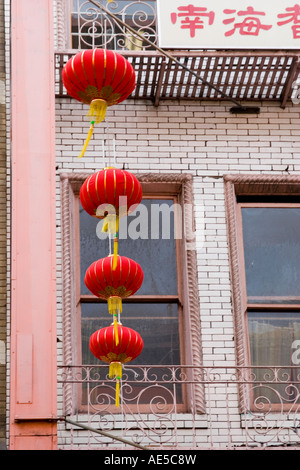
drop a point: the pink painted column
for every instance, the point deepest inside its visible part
(33, 268)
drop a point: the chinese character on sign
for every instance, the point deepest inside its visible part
(192, 18)
(294, 17)
(250, 26)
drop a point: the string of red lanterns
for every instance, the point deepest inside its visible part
(102, 78)
(112, 284)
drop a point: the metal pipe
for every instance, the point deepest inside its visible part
(166, 54)
(103, 433)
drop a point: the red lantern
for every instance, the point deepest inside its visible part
(100, 78)
(111, 284)
(110, 188)
(103, 346)
(111, 193)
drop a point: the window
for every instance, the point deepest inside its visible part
(268, 248)
(165, 309)
(271, 247)
(91, 28)
(155, 311)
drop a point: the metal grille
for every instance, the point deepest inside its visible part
(150, 413)
(91, 28)
(251, 77)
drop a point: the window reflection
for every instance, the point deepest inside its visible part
(153, 314)
(155, 255)
(274, 339)
(271, 246)
(156, 323)
(272, 254)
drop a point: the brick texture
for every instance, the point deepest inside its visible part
(203, 139)
(207, 141)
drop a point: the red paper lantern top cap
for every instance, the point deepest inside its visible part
(98, 74)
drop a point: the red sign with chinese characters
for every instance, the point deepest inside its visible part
(229, 24)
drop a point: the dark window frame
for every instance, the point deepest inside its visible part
(252, 190)
(164, 184)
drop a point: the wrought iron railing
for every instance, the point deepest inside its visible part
(91, 27)
(158, 409)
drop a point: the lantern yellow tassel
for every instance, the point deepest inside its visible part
(114, 303)
(115, 370)
(98, 108)
(87, 139)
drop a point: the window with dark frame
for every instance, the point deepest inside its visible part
(155, 308)
(269, 229)
(168, 297)
(155, 311)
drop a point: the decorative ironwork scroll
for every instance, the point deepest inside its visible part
(91, 28)
(260, 424)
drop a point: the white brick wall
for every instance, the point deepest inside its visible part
(204, 139)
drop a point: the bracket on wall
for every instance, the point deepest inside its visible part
(245, 110)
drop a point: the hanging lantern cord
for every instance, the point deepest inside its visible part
(111, 225)
(116, 328)
(115, 251)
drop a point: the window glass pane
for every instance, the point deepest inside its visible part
(156, 323)
(272, 254)
(146, 236)
(275, 341)
(272, 337)
(158, 326)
